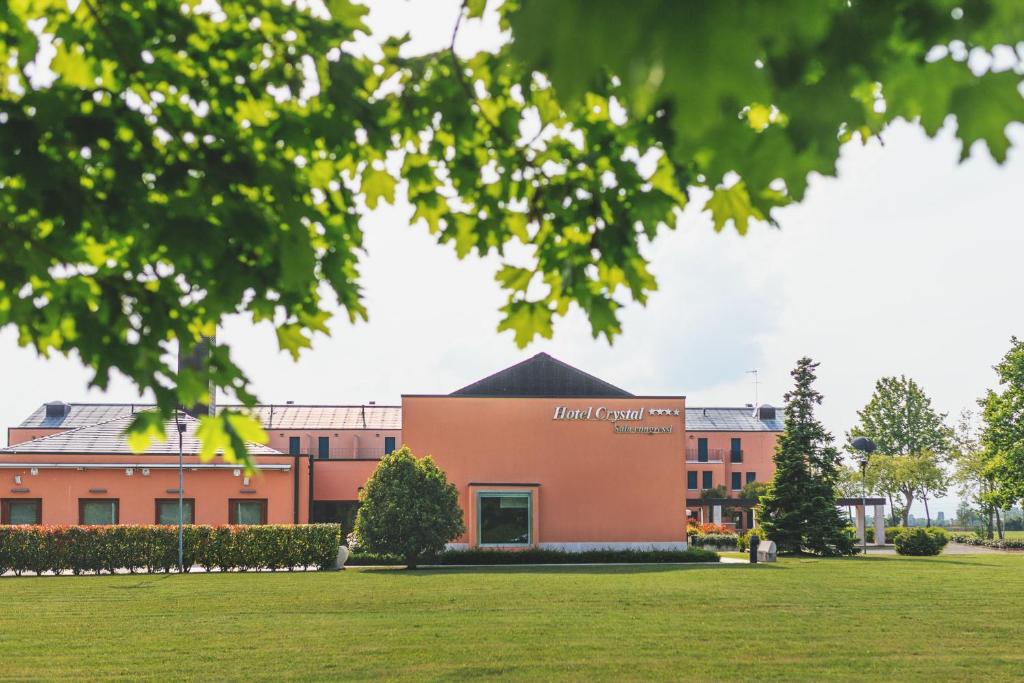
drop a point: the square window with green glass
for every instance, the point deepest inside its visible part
(167, 510)
(247, 511)
(93, 511)
(21, 511)
(505, 518)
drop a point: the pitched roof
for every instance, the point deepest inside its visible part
(541, 375)
(271, 416)
(739, 419)
(108, 438)
(291, 416)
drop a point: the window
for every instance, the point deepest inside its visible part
(323, 450)
(702, 450)
(21, 511)
(389, 444)
(294, 445)
(737, 481)
(751, 477)
(707, 480)
(167, 510)
(736, 451)
(505, 518)
(691, 480)
(97, 510)
(341, 512)
(247, 511)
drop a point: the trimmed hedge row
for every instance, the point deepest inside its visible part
(542, 556)
(971, 538)
(97, 549)
(720, 541)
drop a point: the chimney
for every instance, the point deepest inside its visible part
(197, 359)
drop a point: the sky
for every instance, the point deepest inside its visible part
(907, 263)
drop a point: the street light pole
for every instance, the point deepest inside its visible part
(866, 447)
(181, 493)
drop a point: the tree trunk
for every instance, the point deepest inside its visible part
(892, 510)
(990, 522)
(927, 515)
(999, 524)
(411, 561)
(909, 495)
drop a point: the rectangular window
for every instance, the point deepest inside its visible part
(736, 451)
(737, 481)
(323, 450)
(389, 444)
(97, 511)
(706, 482)
(167, 510)
(751, 477)
(702, 450)
(691, 480)
(341, 512)
(21, 511)
(505, 518)
(247, 511)
(294, 445)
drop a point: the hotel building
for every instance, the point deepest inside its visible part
(542, 454)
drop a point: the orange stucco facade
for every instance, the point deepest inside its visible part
(60, 482)
(597, 468)
(591, 485)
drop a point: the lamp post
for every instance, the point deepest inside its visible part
(181, 493)
(866, 447)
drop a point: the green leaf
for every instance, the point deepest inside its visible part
(292, 339)
(476, 8)
(526, 319)
(732, 204)
(377, 185)
(146, 427)
(73, 67)
(984, 110)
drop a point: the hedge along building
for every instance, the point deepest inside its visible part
(542, 454)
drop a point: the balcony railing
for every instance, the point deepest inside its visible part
(713, 456)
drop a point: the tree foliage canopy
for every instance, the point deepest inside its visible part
(169, 164)
(912, 440)
(408, 508)
(1003, 435)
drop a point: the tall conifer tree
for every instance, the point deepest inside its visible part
(799, 511)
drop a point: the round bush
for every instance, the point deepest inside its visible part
(918, 542)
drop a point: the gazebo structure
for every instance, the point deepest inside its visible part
(715, 505)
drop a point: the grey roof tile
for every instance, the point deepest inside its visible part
(108, 438)
(271, 416)
(739, 419)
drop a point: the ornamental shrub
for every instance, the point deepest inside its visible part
(918, 542)
(720, 541)
(96, 549)
(408, 508)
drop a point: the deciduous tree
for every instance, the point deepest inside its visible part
(900, 419)
(408, 508)
(1003, 435)
(169, 164)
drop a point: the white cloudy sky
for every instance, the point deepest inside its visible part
(908, 262)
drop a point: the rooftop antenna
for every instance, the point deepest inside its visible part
(754, 373)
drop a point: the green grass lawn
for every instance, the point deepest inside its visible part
(944, 618)
(1014, 534)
